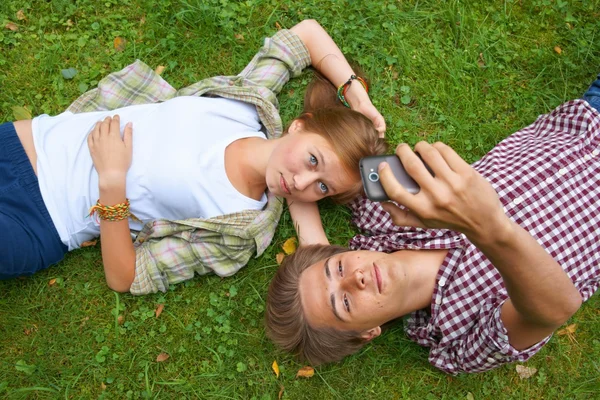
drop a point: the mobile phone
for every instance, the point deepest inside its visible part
(370, 176)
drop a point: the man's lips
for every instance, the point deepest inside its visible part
(284, 185)
(377, 277)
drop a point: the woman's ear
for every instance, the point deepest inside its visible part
(297, 125)
(371, 334)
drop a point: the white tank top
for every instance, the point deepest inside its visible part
(177, 170)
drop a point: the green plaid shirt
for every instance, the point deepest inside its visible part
(168, 251)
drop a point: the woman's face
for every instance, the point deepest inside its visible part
(305, 168)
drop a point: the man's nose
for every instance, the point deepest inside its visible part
(304, 179)
(355, 280)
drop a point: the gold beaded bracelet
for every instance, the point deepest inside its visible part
(118, 212)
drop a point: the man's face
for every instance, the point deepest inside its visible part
(357, 290)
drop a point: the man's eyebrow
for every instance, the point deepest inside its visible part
(332, 297)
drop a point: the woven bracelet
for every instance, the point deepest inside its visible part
(117, 212)
(341, 90)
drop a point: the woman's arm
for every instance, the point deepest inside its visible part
(541, 295)
(307, 221)
(112, 158)
(328, 59)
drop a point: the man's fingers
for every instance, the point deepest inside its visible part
(455, 161)
(392, 187)
(402, 217)
(414, 165)
(430, 155)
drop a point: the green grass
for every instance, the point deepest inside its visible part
(467, 73)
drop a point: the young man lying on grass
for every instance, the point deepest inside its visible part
(508, 249)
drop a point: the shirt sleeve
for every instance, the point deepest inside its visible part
(164, 258)
(282, 56)
(483, 346)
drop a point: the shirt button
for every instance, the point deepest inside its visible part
(549, 180)
(438, 301)
(587, 157)
(562, 171)
(442, 282)
(231, 83)
(595, 152)
(491, 360)
(518, 200)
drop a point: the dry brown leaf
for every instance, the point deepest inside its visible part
(280, 392)
(119, 43)
(162, 357)
(568, 330)
(69, 23)
(277, 25)
(29, 331)
(103, 386)
(239, 37)
(143, 20)
(481, 61)
(279, 257)
(12, 26)
(305, 372)
(470, 396)
(525, 372)
(290, 245)
(160, 69)
(52, 282)
(21, 15)
(89, 243)
(558, 50)
(275, 367)
(159, 310)
(120, 319)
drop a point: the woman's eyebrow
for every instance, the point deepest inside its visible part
(332, 296)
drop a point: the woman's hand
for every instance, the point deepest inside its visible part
(368, 110)
(110, 153)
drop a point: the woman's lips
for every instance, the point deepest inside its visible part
(377, 277)
(284, 186)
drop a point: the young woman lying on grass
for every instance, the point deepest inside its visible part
(198, 178)
(507, 251)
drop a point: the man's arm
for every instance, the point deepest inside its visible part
(542, 296)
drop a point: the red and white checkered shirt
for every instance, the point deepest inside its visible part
(548, 178)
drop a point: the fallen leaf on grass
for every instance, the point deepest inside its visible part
(275, 367)
(52, 282)
(120, 319)
(525, 372)
(278, 26)
(280, 392)
(470, 396)
(279, 258)
(305, 372)
(239, 37)
(481, 61)
(12, 26)
(103, 386)
(21, 113)
(89, 243)
(21, 15)
(160, 69)
(29, 331)
(162, 357)
(558, 50)
(290, 245)
(159, 310)
(568, 331)
(119, 43)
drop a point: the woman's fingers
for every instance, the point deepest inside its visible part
(128, 135)
(114, 128)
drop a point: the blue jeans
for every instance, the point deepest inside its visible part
(592, 95)
(29, 241)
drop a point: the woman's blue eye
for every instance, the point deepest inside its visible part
(313, 160)
(323, 188)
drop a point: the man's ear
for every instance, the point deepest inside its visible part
(297, 125)
(371, 334)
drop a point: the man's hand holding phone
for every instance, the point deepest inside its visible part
(455, 197)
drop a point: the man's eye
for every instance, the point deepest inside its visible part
(323, 188)
(340, 269)
(346, 303)
(313, 160)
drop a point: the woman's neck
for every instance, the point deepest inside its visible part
(246, 165)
